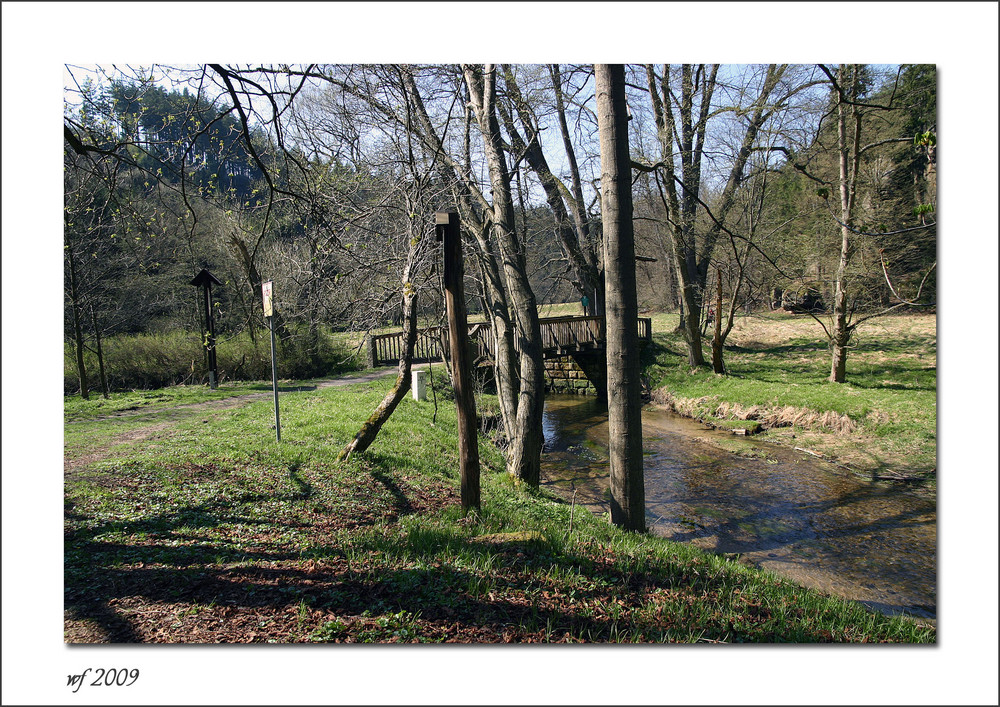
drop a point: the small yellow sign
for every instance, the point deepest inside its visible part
(268, 302)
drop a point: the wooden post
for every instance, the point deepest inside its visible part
(447, 227)
(213, 369)
(205, 279)
(717, 362)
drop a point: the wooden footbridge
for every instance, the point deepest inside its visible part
(561, 336)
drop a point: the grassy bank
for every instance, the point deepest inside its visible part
(881, 422)
(193, 525)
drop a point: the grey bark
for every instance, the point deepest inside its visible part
(525, 456)
(624, 386)
(848, 138)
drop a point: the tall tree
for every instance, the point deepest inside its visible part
(628, 505)
(525, 461)
(682, 114)
(849, 88)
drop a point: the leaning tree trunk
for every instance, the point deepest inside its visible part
(628, 504)
(370, 429)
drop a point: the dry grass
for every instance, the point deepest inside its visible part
(771, 417)
(883, 418)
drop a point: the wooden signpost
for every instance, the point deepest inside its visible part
(205, 280)
(268, 292)
(446, 226)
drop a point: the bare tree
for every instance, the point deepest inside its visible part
(682, 116)
(848, 84)
(525, 459)
(572, 225)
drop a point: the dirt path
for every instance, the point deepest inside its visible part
(73, 465)
(238, 400)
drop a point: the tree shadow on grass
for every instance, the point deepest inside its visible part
(490, 594)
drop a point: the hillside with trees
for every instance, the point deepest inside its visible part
(753, 185)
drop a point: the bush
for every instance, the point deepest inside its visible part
(156, 360)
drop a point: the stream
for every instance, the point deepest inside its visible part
(781, 510)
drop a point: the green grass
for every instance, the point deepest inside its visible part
(211, 531)
(140, 401)
(780, 363)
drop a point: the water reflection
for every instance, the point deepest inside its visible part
(796, 516)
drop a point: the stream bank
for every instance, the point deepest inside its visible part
(773, 507)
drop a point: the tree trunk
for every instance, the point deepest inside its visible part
(691, 324)
(505, 369)
(628, 506)
(838, 361)
(841, 334)
(370, 429)
(524, 462)
(75, 305)
(100, 353)
(718, 365)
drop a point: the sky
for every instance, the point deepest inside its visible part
(39, 38)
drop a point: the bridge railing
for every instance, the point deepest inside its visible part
(385, 349)
(572, 332)
(558, 334)
(583, 332)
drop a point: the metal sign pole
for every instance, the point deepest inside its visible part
(274, 382)
(268, 294)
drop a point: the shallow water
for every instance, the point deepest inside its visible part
(780, 509)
